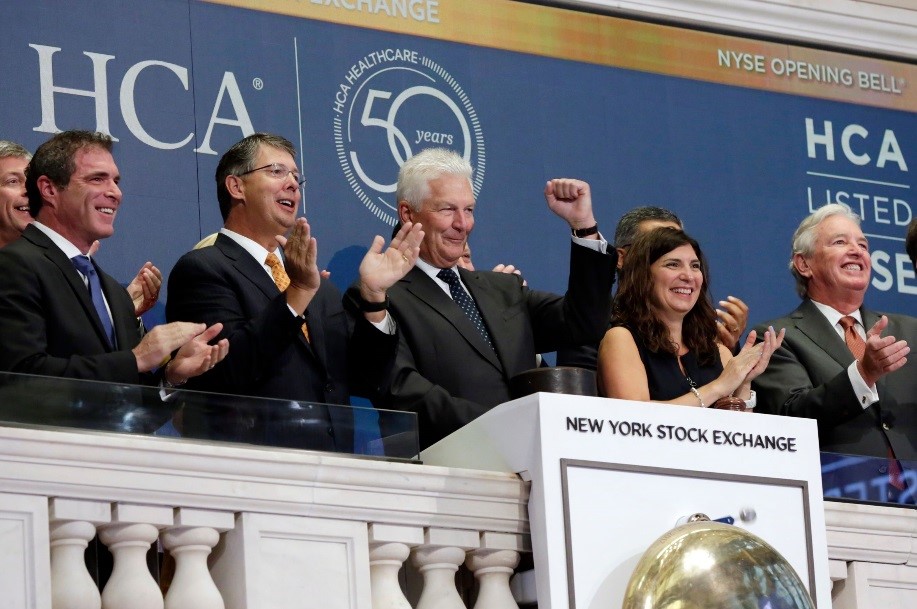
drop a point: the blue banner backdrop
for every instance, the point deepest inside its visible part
(177, 82)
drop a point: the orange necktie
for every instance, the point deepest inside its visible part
(282, 281)
(854, 341)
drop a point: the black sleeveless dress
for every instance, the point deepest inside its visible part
(665, 378)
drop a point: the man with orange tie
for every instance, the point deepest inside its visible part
(841, 363)
(289, 334)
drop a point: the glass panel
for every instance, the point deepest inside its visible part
(868, 479)
(92, 405)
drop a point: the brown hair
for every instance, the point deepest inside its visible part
(55, 159)
(634, 302)
(240, 159)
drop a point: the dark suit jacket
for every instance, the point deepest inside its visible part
(268, 355)
(48, 325)
(807, 377)
(444, 370)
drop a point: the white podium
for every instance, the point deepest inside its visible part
(610, 476)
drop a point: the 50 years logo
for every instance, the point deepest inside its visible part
(391, 104)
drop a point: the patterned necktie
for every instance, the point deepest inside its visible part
(465, 303)
(84, 265)
(857, 346)
(282, 281)
(854, 341)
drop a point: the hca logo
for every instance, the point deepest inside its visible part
(52, 93)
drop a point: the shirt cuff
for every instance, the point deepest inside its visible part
(600, 245)
(387, 325)
(866, 395)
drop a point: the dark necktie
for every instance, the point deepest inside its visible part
(84, 265)
(857, 347)
(465, 303)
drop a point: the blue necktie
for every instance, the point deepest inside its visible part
(463, 300)
(84, 265)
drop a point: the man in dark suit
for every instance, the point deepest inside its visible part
(290, 335)
(57, 320)
(464, 337)
(15, 216)
(732, 314)
(835, 365)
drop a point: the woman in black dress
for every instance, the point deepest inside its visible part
(662, 345)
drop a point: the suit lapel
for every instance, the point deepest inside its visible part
(246, 265)
(74, 279)
(253, 271)
(813, 324)
(491, 309)
(424, 288)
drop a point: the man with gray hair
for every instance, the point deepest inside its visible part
(14, 204)
(465, 334)
(841, 363)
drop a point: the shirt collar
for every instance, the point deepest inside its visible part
(834, 316)
(256, 250)
(431, 270)
(59, 240)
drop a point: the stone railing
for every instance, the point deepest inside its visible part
(267, 528)
(247, 527)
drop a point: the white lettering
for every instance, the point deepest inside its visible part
(48, 89)
(905, 270)
(846, 136)
(882, 278)
(241, 120)
(129, 108)
(825, 139)
(890, 151)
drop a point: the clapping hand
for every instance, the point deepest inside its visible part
(144, 289)
(380, 269)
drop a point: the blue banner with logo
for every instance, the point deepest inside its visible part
(178, 82)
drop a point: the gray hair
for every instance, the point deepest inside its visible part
(12, 149)
(629, 225)
(805, 236)
(415, 175)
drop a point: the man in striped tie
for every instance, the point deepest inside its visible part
(842, 364)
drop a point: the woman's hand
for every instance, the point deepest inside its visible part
(736, 370)
(772, 341)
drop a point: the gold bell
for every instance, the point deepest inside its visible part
(707, 565)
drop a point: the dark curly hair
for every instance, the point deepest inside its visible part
(634, 302)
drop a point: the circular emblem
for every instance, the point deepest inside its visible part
(390, 105)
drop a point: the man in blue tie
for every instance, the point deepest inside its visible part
(464, 334)
(60, 315)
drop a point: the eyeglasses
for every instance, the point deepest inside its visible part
(279, 172)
